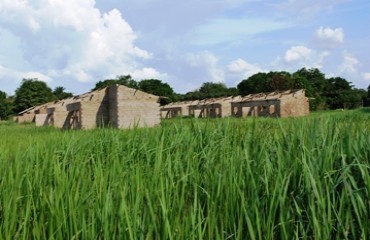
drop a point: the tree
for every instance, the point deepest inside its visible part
(315, 84)
(214, 90)
(367, 101)
(256, 83)
(158, 88)
(31, 92)
(6, 106)
(59, 93)
(210, 90)
(125, 80)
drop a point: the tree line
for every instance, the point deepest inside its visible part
(323, 93)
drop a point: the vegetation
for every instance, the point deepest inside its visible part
(31, 92)
(6, 106)
(157, 87)
(125, 80)
(302, 178)
(325, 93)
(60, 94)
(210, 90)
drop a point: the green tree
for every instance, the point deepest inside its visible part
(315, 84)
(158, 88)
(6, 106)
(214, 90)
(210, 90)
(125, 80)
(32, 92)
(60, 94)
(257, 83)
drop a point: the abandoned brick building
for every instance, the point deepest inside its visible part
(117, 106)
(213, 107)
(288, 103)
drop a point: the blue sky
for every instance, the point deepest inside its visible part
(184, 43)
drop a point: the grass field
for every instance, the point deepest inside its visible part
(302, 178)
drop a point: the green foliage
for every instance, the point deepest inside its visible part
(210, 90)
(302, 178)
(158, 88)
(2, 95)
(6, 106)
(125, 80)
(60, 94)
(31, 92)
(257, 83)
(323, 93)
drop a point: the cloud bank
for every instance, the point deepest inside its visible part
(71, 39)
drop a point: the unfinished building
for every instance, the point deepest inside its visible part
(117, 106)
(176, 109)
(213, 107)
(290, 103)
(275, 104)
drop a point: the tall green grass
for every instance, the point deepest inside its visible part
(302, 178)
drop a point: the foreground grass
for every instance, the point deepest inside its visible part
(303, 178)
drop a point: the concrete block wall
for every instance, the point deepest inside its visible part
(58, 115)
(134, 108)
(41, 119)
(95, 110)
(26, 117)
(294, 105)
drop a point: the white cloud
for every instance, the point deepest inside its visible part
(19, 75)
(298, 53)
(246, 69)
(301, 56)
(308, 8)
(349, 65)
(72, 39)
(366, 76)
(328, 37)
(208, 62)
(148, 73)
(227, 30)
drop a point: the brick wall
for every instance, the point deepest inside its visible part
(134, 108)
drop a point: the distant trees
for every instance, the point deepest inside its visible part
(31, 92)
(157, 87)
(6, 106)
(125, 80)
(60, 94)
(367, 101)
(210, 90)
(324, 93)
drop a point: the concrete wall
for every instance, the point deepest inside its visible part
(294, 105)
(95, 110)
(41, 119)
(263, 108)
(26, 117)
(134, 108)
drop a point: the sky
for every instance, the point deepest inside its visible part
(75, 44)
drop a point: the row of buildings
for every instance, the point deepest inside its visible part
(117, 106)
(122, 107)
(288, 103)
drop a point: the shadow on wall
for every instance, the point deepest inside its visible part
(102, 116)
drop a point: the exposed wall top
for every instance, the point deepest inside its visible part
(277, 95)
(251, 97)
